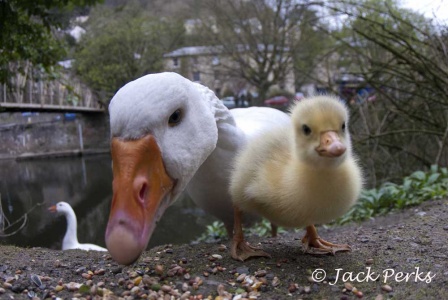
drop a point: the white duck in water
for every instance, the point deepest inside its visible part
(71, 235)
(169, 135)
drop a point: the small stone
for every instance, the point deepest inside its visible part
(379, 297)
(2, 290)
(86, 276)
(222, 248)
(185, 287)
(369, 261)
(241, 278)
(307, 290)
(159, 269)
(292, 288)
(99, 272)
(261, 273)
(137, 280)
(386, 288)
(166, 288)
(348, 286)
(310, 279)
(72, 286)
(187, 276)
(359, 294)
(257, 285)
(275, 281)
(133, 274)
(217, 256)
(242, 270)
(7, 285)
(445, 228)
(135, 290)
(155, 287)
(206, 274)
(58, 288)
(121, 281)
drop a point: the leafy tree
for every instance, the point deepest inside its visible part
(26, 31)
(122, 44)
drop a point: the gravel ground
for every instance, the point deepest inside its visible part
(391, 258)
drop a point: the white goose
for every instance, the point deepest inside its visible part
(168, 135)
(71, 238)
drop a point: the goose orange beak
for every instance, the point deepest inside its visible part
(52, 209)
(330, 145)
(141, 193)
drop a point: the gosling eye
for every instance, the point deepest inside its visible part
(175, 118)
(343, 126)
(306, 129)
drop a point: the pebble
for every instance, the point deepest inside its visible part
(58, 288)
(135, 290)
(187, 276)
(72, 286)
(242, 270)
(184, 287)
(222, 248)
(275, 281)
(99, 272)
(137, 280)
(217, 256)
(310, 279)
(2, 290)
(370, 261)
(348, 286)
(445, 228)
(292, 288)
(307, 290)
(241, 277)
(159, 269)
(261, 273)
(386, 288)
(7, 285)
(379, 297)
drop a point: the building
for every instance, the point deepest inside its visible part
(209, 66)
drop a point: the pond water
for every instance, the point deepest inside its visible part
(28, 188)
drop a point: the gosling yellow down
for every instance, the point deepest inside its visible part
(298, 175)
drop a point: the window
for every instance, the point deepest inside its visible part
(196, 76)
(175, 62)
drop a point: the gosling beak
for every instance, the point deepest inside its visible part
(330, 145)
(141, 194)
(52, 209)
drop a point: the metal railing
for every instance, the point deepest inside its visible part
(64, 93)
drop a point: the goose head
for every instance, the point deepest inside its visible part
(321, 131)
(163, 127)
(61, 207)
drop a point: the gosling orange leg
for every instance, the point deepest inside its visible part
(242, 250)
(313, 244)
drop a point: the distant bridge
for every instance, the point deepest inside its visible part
(26, 94)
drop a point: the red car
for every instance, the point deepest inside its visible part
(277, 101)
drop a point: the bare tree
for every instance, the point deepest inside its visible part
(259, 38)
(403, 58)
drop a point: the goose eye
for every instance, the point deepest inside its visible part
(175, 118)
(343, 126)
(306, 129)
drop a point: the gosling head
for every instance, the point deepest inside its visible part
(321, 131)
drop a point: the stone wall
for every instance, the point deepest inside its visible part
(47, 133)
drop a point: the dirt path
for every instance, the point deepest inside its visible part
(413, 242)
